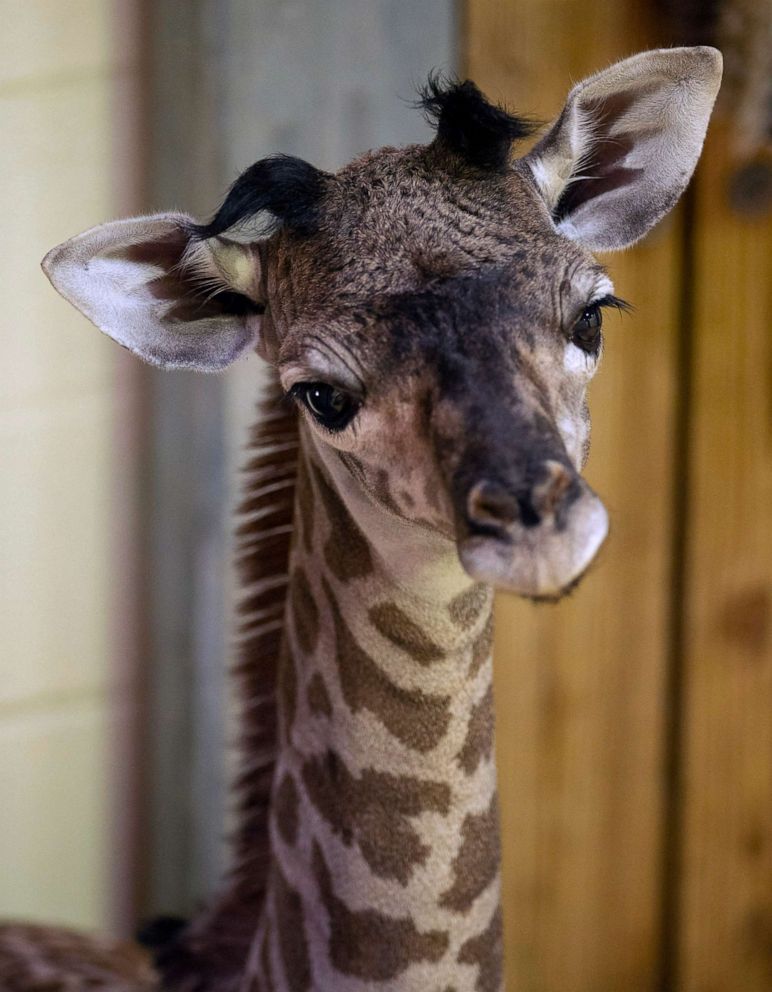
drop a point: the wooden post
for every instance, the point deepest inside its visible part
(726, 837)
(580, 687)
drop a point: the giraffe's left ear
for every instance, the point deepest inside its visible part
(626, 144)
(173, 298)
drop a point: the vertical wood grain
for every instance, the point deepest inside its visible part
(580, 686)
(726, 839)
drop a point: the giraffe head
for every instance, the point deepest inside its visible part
(434, 310)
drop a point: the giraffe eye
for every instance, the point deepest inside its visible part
(586, 331)
(329, 406)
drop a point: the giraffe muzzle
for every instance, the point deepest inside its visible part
(534, 541)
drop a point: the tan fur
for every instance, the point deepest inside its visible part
(391, 856)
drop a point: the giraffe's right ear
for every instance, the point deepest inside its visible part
(156, 288)
(626, 144)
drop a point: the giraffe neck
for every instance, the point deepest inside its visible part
(384, 822)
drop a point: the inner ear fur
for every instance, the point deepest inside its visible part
(155, 287)
(626, 144)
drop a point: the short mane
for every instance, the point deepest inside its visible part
(469, 125)
(263, 540)
(215, 945)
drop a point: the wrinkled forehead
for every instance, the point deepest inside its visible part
(412, 252)
(397, 218)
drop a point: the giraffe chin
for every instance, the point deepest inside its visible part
(543, 562)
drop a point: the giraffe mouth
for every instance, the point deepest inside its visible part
(543, 562)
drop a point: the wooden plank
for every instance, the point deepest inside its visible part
(580, 687)
(726, 897)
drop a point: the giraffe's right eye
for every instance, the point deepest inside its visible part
(330, 406)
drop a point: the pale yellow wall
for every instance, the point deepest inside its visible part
(60, 70)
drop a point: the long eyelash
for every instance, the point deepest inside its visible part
(614, 301)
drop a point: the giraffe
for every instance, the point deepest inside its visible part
(431, 316)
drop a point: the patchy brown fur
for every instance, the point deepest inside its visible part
(53, 959)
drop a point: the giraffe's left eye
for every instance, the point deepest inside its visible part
(585, 333)
(330, 406)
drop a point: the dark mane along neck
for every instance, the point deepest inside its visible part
(211, 952)
(263, 540)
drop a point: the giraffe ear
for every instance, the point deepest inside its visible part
(626, 144)
(170, 297)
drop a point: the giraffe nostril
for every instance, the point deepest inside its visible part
(550, 494)
(529, 513)
(491, 508)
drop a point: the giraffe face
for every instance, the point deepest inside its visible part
(444, 359)
(434, 309)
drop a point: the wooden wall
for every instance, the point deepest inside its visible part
(635, 719)
(69, 75)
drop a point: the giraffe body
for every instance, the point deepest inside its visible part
(435, 313)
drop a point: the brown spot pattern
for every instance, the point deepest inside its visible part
(291, 933)
(369, 944)
(318, 697)
(486, 950)
(37, 958)
(305, 500)
(482, 647)
(305, 612)
(477, 863)
(465, 609)
(383, 493)
(375, 810)
(415, 718)
(354, 465)
(396, 626)
(478, 743)
(346, 550)
(287, 805)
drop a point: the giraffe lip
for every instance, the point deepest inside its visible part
(543, 562)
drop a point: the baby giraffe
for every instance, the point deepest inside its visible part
(433, 316)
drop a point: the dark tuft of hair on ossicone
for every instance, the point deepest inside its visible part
(469, 125)
(285, 189)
